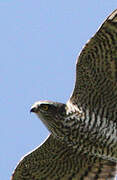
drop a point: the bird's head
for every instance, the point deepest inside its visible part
(52, 115)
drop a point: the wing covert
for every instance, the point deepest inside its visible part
(96, 69)
(55, 161)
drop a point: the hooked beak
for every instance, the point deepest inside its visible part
(33, 109)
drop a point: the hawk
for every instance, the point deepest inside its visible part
(82, 144)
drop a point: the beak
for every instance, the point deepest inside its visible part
(33, 109)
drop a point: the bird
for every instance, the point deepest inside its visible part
(82, 144)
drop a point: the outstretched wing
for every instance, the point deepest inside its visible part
(96, 70)
(55, 161)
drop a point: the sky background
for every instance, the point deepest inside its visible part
(39, 43)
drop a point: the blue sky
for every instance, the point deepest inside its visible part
(39, 43)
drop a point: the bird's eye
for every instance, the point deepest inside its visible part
(44, 107)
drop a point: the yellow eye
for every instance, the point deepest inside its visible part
(44, 107)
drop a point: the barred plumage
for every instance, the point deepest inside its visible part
(83, 140)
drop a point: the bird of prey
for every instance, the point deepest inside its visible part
(82, 144)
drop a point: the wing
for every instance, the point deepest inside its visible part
(96, 70)
(55, 161)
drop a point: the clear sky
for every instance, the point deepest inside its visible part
(39, 43)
